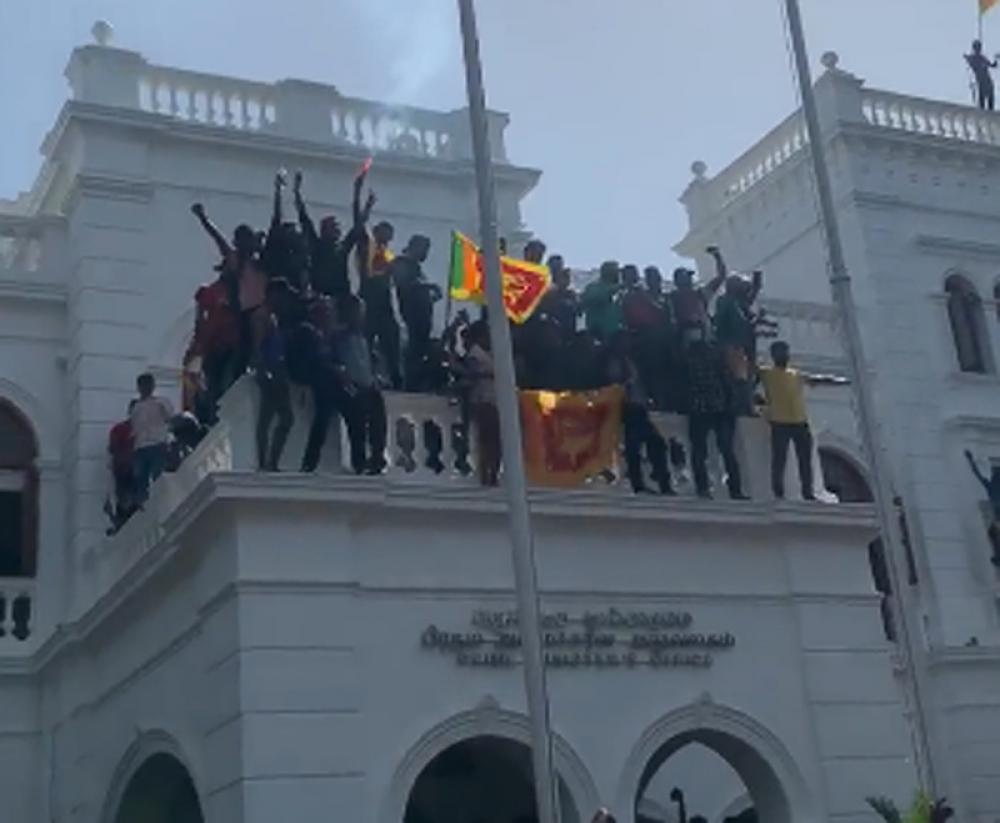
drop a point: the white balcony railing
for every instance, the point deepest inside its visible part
(933, 118)
(17, 604)
(426, 444)
(290, 108)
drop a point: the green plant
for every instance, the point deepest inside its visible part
(923, 810)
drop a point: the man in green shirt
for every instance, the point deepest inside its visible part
(601, 308)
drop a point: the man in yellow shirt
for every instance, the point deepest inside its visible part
(784, 389)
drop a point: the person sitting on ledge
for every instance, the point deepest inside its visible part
(784, 389)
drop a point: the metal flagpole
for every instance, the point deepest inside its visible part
(840, 283)
(522, 543)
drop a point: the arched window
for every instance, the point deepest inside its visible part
(968, 326)
(18, 494)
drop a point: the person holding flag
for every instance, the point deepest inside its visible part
(980, 65)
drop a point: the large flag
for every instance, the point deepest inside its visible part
(570, 436)
(986, 5)
(524, 283)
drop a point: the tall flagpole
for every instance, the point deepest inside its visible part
(522, 542)
(840, 284)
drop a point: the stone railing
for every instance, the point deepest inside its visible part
(17, 603)
(207, 99)
(294, 109)
(31, 250)
(842, 101)
(427, 444)
(933, 118)
(783, 143)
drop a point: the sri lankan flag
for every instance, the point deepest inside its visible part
(986, 5)
(570, 436)
(524, 283)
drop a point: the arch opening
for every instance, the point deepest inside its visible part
(482, 779)
(710, 776)
(160, 791)
(18, 494)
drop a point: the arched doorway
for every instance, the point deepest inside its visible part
(483, 779)
(721, 758)
(708, 771)
(160, 791)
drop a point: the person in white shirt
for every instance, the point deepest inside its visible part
(150, 418)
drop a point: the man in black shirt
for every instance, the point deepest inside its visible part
(710, 410)
(328, 252)
(981, 65)
(416, 297)
(285, 254)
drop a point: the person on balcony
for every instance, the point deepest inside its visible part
(416, 296)
(600, 303)
(366, 416)
(992, 486)
(561, 303)
(483, 402)
(150, 419)
(121, 452)
(644, 310)
(710, 410)
(222, 335)
(639, 430)
(375, 257)
(286, 252)
(690, 303)
(980, 65)
(271, 371)
(784, 390)
(735, 332)
(329, 253)
(534, 251)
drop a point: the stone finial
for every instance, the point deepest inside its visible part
(699, 169)
(830, 60)
(103, 32)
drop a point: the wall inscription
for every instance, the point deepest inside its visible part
(608, 639)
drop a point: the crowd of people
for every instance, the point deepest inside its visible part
(328, 310)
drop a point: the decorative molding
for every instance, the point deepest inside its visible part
(33, 291)
(949, 246)
(112, 188)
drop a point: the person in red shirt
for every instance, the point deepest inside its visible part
(120, 451)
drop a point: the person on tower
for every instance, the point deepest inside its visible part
(980, 65)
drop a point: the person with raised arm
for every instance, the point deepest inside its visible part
(375, 256)
(991, 484)
(690, 302)
(329, 253)
(286, 254)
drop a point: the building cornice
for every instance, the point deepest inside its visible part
(170, 128)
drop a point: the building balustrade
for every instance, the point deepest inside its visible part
(427, 445)
(296, 109)
(17, 599)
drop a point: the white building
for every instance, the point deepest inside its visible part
(253, 647)
(915, 184)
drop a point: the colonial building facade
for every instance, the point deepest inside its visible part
(250, 646)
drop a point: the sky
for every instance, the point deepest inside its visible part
(612, 99)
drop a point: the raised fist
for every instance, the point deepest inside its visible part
(198, 210)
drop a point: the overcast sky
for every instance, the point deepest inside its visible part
(613, 99)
